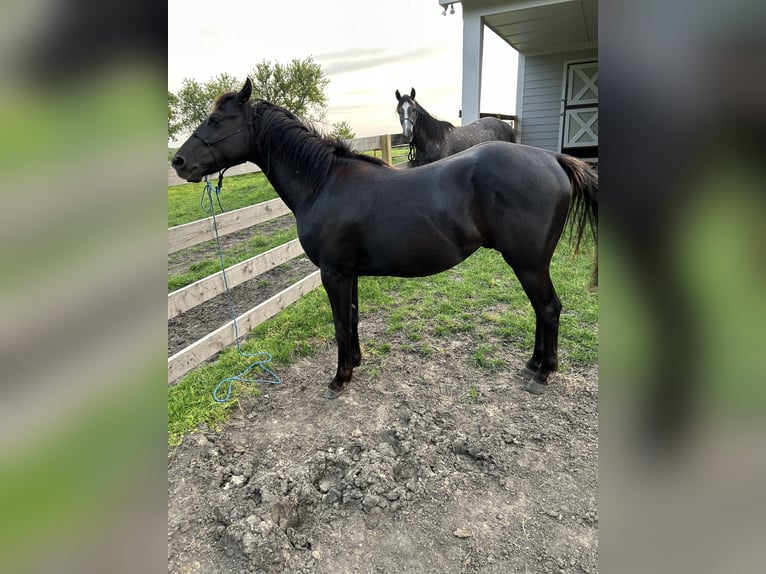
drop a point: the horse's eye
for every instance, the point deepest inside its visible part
(214, 120)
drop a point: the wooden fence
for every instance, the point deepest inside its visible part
(190, 234)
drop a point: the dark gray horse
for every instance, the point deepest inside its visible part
(358, 216)
(432, 139)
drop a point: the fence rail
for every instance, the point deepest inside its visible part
(188, 297)
(195, 232)
(198, 352)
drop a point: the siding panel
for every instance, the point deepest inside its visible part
(541, 106)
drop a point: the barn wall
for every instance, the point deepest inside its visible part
(539, 111)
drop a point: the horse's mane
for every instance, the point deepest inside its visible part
(279, 131)
(432, 129)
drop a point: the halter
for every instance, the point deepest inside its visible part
(411, 153)
(248, 126)
(209, 145)
(415, 113)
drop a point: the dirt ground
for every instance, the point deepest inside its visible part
(409, 471)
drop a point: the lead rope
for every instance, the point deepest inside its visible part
(265, 357)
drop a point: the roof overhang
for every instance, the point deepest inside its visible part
(539, 26)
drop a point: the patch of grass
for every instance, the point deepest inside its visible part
(471, 395)
(375, 355)
(191, 405)
(238, 191)
(204, 267)
(482, 358)
(399, 155)
(425, 350)
(294, 333)
(438, 306)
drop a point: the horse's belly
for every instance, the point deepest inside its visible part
(409, 258)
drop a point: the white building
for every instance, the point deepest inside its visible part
(557, 89)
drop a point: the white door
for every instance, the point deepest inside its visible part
(580, 114)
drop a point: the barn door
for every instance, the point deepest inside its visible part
(580, 115)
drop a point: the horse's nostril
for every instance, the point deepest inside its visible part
(177, 161)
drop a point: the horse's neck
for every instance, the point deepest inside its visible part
(284, 171)
(430, 130)
(429, 135)
(282, 175)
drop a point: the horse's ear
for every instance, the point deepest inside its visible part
(412, 93)
(398, 96)
(245, 92)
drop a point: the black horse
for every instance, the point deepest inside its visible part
(358, 216)
(431, 139)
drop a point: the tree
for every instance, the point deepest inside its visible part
(342, 130)
(195, 100)
(298, 86)
(174, 126)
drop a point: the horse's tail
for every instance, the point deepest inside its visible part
(583, 208)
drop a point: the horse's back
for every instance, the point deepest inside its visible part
(504, 161)
(536, 166)
(482, 130)
(494, 176)
(492, 129)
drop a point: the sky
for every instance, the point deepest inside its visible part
(367, 50)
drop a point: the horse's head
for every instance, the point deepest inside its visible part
(408, 113)
(222, 140)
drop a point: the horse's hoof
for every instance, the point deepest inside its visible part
(535, 387)
(526, 373)
(332, 394)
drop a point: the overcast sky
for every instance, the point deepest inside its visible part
(367, 49)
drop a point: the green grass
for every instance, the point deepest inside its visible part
(471, 395)
(481, 296)
(237, 191)
(212, 264)
(399, 155)
(296, 332)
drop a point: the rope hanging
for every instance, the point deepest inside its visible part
(209, 207)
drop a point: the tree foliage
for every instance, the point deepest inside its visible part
(174, 126)
(298, 86)
(195, 99)
(342, 130)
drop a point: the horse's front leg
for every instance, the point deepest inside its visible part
(339, 290)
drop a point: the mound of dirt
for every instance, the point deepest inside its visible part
(409, 470)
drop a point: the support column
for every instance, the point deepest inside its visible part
(473, 42)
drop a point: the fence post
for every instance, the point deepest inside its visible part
(385, 148)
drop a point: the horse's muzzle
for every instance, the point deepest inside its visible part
(182, 169)
(177, 162)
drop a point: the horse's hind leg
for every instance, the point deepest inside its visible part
(356, 351)
(539, 288)
(340, 291)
